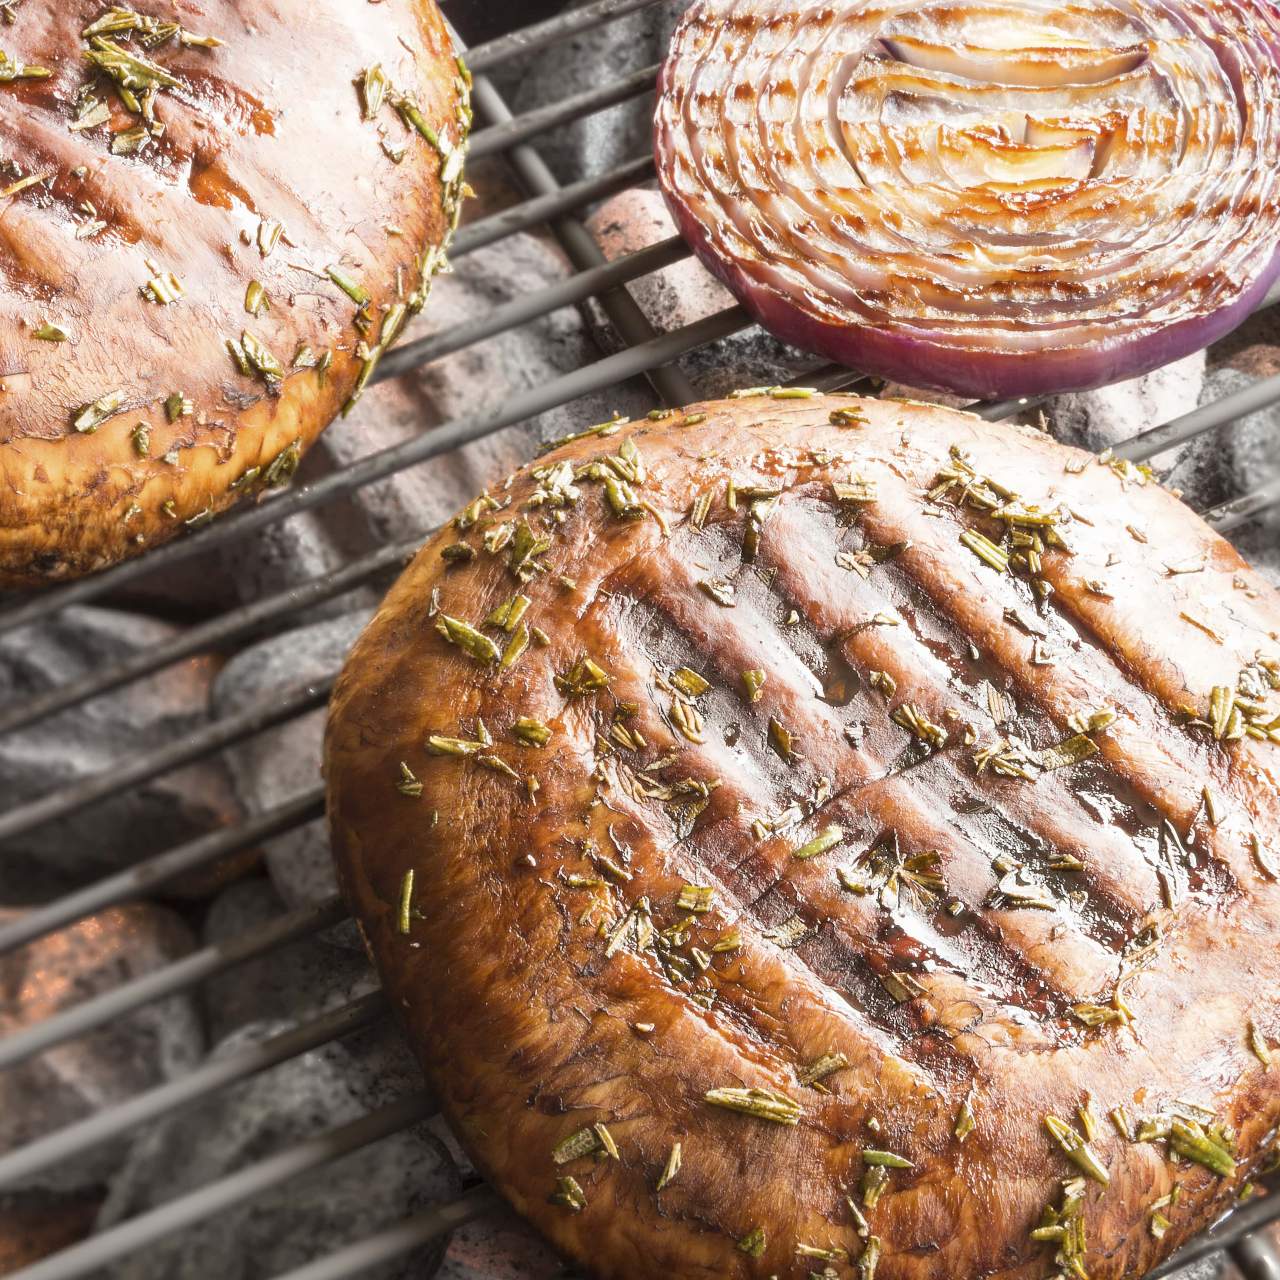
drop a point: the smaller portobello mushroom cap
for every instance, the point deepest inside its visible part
(209, 232)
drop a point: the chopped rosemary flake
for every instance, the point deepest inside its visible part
(911, 718)
(141, 437)
(855, 493)
(128, 70)
(516, 646)
(822, 1254)
(259, 358)
(875, 1179)
(883, 683)
(794, 393)
(255, 298)
(1097, 1015)
(824, 842)
(870, 1258)
(283, 465)
(584, 1142)
(91, 416)
(965, 1119)
(1072, 751)
(467, 638)
(583, 678)
(605, 1138)
(531, 732)
(48, 332)
(753, 1243)
(635, 927)
(11, 69)
(373, 90)
(672, 1166)
(1258, 1044)
(270, 232)
(352, 288)
(886, 1159)
(849, 417)
(696, 898)
(720, 590)
(408, 784)
(781, 740)
(178, 406)
(22, 184)
(730, 941)
(1076, 1149)
(986, 550)
(753, 682)
(1190, 1139)
(689, 682)
(1159, 1224)
(901, 986)
(438, 745)
(1211, 809)
(825, 1066)
(406, 902)
(569, 1194)
(764, 1104)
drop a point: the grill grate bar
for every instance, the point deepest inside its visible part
(510, 133)
(116, 1242)
(91, 1014)
(546, 208)
(192, 746)
(1231, 515)
(635, 330)
(144, 877)
(577, 288)
(216, 1073)
(554, 30)
(1260, 395)
(394, 1241)
(237, 624)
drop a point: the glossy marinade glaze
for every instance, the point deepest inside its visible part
(997, 199)
(214, 216)
(807, 832)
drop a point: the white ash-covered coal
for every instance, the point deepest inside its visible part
(380, 1185)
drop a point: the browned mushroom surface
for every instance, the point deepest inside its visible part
(805, 833)
(214, 217)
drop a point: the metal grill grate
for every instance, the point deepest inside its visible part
(645, 352)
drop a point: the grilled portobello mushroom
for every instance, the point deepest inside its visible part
(807, 834)
(214, 217)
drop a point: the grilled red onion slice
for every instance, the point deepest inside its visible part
(995, 198)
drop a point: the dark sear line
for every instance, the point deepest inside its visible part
(1123, 781)
(1009, 973)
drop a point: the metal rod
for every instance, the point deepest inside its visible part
(579, 287)
(248, 620)
(672, 387)
(540, 209)
(1235, 1226)
(406, 1235)
(509, 133)
(1258, 1257)
(552, 31)
(172, 755)
(1260, 395)
(1231, 515)
(100, 1250)
(74, 1140)
(91, 1014)
(144, 877)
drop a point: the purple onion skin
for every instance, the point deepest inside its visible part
(935, 366)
